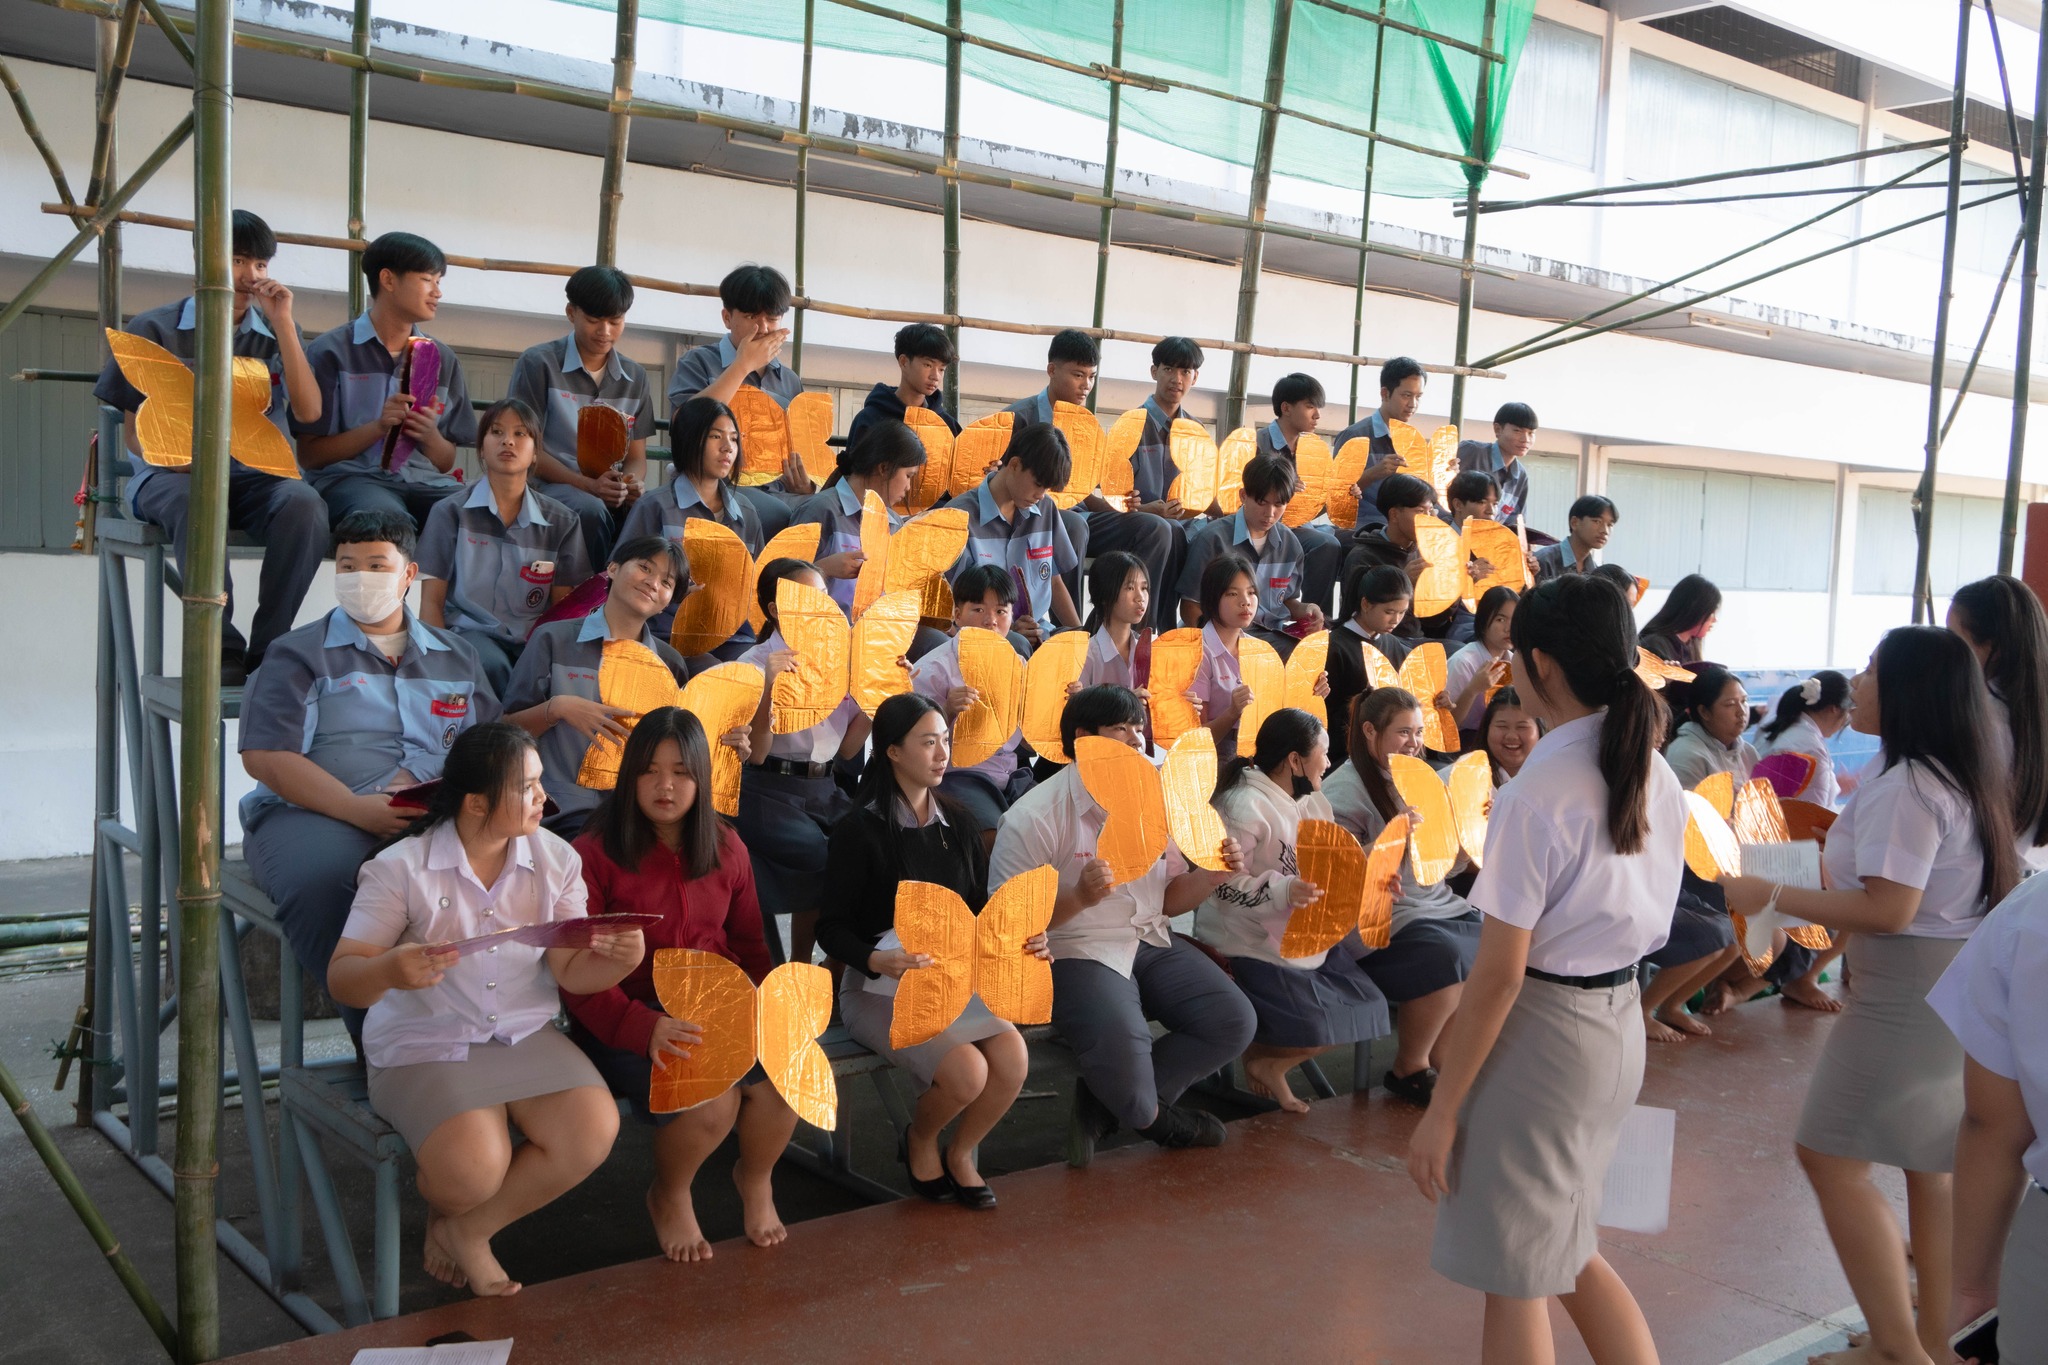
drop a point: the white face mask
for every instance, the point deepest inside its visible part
(369, 598)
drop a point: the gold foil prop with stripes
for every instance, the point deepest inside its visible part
(972, 955)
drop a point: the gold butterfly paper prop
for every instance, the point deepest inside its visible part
(1720, 819)
(1424, 675)
(1194, 453)
(1187, 780)
(1347, 470)
(935, 475)
(1470, 784)
(778, 1025)
(770, 433)
(910, 558)
(1316, 470)
(722, 698)
(993, 669)
(1501, 548)
(724, 575)
(1274, 684)
(1052, 668)
(881, 639)
(602, 439)
(1087, 442)
(1132, 794)
(1239, 448)
(1444, 575)
(977, 450)
(1176, 659)
(1655, 672)
(812, 625)
(1433, 459)
(163, 424)
(1435, 835)
(973, 955)
(1357, 887)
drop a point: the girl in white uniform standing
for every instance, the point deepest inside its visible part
(1808, 716)
(1923, 848)
(1545, 1054)
(2002, 622)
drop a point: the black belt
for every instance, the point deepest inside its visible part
(1585, 983)
(790, 767)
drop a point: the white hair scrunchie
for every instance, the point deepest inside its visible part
(1809, 691)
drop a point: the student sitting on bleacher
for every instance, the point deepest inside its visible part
(1713, 711)
(461, 1047)
(1402, 381)
(983, 596)
(1378, 597)
(706, 444)
(923, 355)
(1401, 497)
(1591, 520)
(1228, 605)
(287, 515)
(1679, 628)
(656, 847)
(493, 562)
(363, 702)
(1013, 523)
(559, 378)
(553, 694)
(883, 460)
(753, 301)
(1119, 605)
(1514, 431)
(1297, 407)
(357, 367)
(1256, 533)
(1309, 1004)
(1115, 962)
(903, 828)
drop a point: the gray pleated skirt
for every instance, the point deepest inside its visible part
(1535, 1138)
(419, 1098)
(867, 1017)
(1889, 1085)
(2023, 1284)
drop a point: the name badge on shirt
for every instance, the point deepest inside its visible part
(1281, 583)
(539, 577)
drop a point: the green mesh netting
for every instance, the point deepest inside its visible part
(1426, 90)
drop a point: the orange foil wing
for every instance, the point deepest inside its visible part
(632, 676)
(721, 569)
(602, 439)
(1382, 881)
(1378, 672)
(1053, 667)
(1118, 480)
(1237, 451)
(1718, 789)
(1711, 850)
(1470, 784)
(1317, 468)
(923, 548)
(810, 433)
(163, 425)
(1499, 547)
(794, 1006)
(1125, 784)
(1014, 984)
(1176, 659)
(936, 473)
(711, 992)
(979, 448)
(874, 547)
(791, 542)
(1425, 674)
(1436, 833)
(1443, 458)
(764, 435)
(1757, 816)
(1443, 580)
(1305, 666)
(881, 637)
(1086, 441)
(991, 667)
(1330, 858)
(1655, 672)
(932, 920)
(1258, 663)
(722, 698)
(1346, 469)
(811, 624)
(1199, 461)
(1188, 780)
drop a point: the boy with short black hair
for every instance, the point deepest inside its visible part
(1256, 532)
(559, 378)
(1297, 407)
(1013, 523)
(753, 300)
(1514, 431)
(1402, 381)
(984, 596)
(923, 355)
(357, 366)
(1591, 521)
(1470, 494)
(1401, 498)
(1072, 360)
(287, 515)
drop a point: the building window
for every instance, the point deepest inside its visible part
(1554, 108)
(1743, 531)
(1887, 547)
(1553, 485)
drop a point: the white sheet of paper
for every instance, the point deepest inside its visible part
(1637, 1197)
(1796, 864)
(447, 1353)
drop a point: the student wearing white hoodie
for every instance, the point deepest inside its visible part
(1305, 1005)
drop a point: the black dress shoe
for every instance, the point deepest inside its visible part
(940, 1191)
(977, 1197)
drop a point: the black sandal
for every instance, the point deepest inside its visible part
(1416, 1087)
(940, 1191)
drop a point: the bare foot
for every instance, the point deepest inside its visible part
(675, 1224)
(757, 1210)
(1803, 992)
(1723, 996)
(437, 1261)
(1863, 1353)
(1657, 1031)
(473, 1260)
(1268, 1078)
(1682, 1019)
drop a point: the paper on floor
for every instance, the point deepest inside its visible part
(447, 1353)
(1637, 1197)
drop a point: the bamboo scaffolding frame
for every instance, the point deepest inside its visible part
(949, 199)
(174, 30)
(108, 101)
(1255, 238)
(2030, 275)
(1379, 52)
(1109, 150)
(1984, 333)
(612, 192)
(1467, 297)
(1483, 50)
(803, 180)
(1817, 192)
(34, 130)
(358, 152)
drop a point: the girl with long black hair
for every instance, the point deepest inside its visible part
(705, 439)
(2002, 622)
(1690, 610)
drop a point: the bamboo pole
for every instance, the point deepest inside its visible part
(96, 224)
(964, 321)
(1481, 99)
(173, 30)
(1254, 237)
(35, 132)
(358, 152)
(2012, 258)
(1109, 147)
(2023, 351)
(88, 1213)
(1441, 39)
(197, 1157)
(950, 199)
(885, 156)
(108, 99)
(1923, 496)
(1379, 53)
(613, 195)
(803, 179)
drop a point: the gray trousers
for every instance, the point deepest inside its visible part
(496, 654)
(600, 524)
(775, 510)
(1102, 1014)
(376, 491)
(1323, 556)
(306, 863)
(1160, 543)
(287, 515)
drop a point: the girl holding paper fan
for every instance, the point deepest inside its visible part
(1119, 602)
(1809, 715)
(1544, 1057)
(459, 1046)
(1436, 932)
(1478, 665)
(1922, 850)
(1229, 604)
(656, 846)
(2002, 622)
(1305, 1005)
(901, 828)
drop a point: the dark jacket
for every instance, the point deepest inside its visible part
(884, 406)
(1348, 679)
(867, 855)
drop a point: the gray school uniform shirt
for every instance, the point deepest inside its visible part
(1152, 468)
(1033, 545)
(175, 327)
(356, 374)
(550, 379)
(562, 660)
(698, 367)
(499, 577)
(1484, 457)
(326, 692)
(1277, 566)
(663, 511)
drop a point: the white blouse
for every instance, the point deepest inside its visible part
(2003, 1030)
(1550, 867)
(1104, 666)
(1356, 812)
(1695, 755)
(1803, 736)
(423, 890)
(1906, 825)
(1247, 915)
(1467, 664)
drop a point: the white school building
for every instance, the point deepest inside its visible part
(1769, 439)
